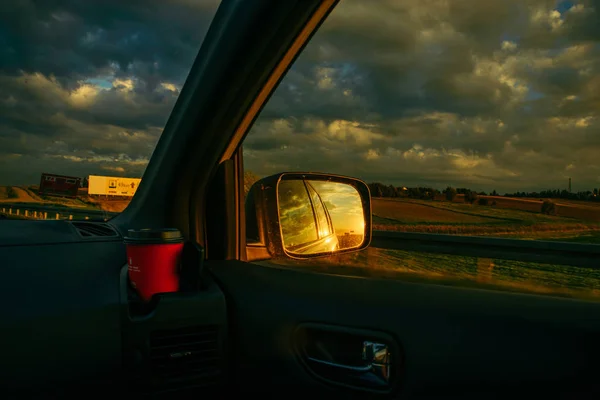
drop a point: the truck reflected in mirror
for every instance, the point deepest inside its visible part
(319, 216)
(307, 215)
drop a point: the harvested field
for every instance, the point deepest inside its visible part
(413, 212)
(510, 218)
(588, 211)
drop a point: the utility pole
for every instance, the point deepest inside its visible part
(569, 185)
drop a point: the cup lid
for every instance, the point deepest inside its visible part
(160, 235)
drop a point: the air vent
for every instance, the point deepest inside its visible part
(93, 229)
(184, 358)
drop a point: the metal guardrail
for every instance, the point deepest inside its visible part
(544, 252)
(34, 211)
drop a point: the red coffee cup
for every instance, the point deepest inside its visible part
(154, 258)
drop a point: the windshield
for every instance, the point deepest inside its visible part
(86, 89)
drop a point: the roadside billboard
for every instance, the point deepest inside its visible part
(112, 186)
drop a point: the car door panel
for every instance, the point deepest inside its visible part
(455, 340)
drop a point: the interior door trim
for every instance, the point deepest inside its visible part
(397, 353)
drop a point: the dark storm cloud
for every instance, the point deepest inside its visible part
(403, 57)
(143, 111)
(86, 87)
(37, 108)
(583, 22)
(400, 69)
(498, 94)
(72, 39)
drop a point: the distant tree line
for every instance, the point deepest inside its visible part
(590, 195)
(450, 193)
(423, 192)
(471, 196)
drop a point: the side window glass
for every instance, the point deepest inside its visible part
(86, 89)
(296, 215)
(472, 123)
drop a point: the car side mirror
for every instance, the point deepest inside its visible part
(307, 215)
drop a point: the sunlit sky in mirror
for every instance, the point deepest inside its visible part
(344, 205)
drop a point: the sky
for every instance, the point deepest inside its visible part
(344, 205)
(491, 95)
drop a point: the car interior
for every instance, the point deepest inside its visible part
(73, 325)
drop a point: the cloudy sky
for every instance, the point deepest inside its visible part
(494, 94)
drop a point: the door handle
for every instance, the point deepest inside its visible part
(359, 359)
(360, 368)
(376, 358)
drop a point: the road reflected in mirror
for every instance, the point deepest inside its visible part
(319, 216)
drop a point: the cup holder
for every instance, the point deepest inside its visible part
(136, 306)
(192, 280)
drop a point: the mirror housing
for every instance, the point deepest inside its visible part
(307, 215)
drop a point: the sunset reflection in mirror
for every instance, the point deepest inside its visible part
(345, 207)
(319, 216)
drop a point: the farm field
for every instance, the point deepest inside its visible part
(589, 211)
(582, 203)
(509, 218)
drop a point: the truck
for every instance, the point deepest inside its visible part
(59, 185)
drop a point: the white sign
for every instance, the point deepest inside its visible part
(112, 186)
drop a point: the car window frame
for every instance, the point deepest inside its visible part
(175, 184)
(318, 11)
